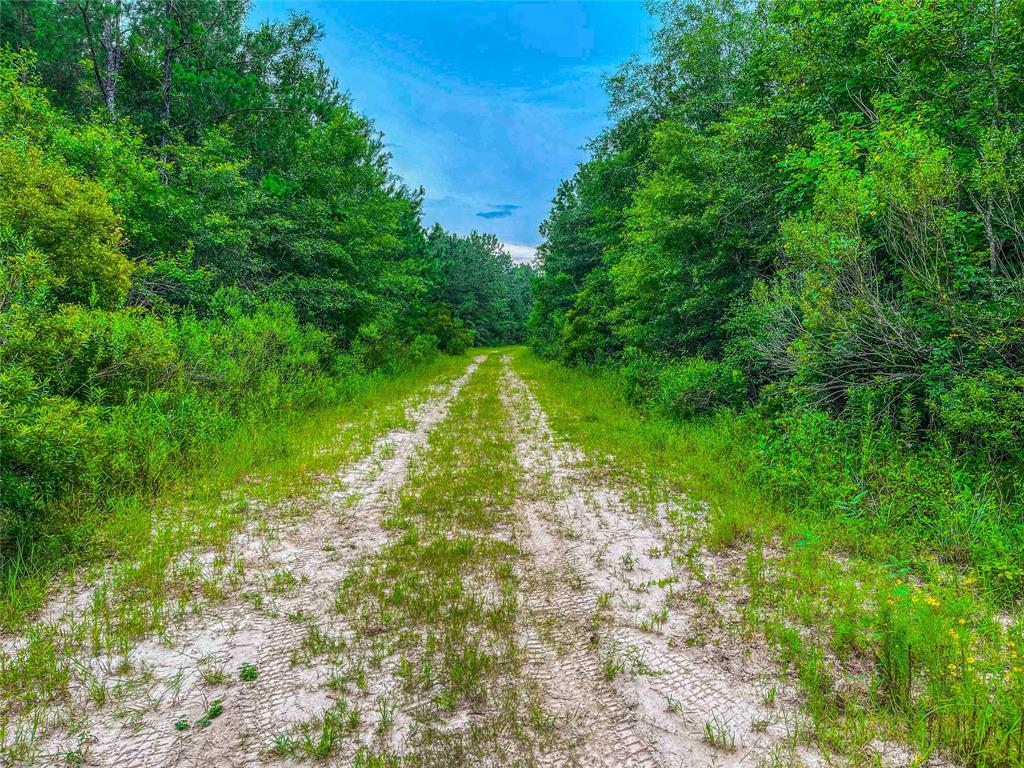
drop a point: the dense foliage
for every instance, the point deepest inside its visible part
(476, 282)
(819, 201)
(196, 229)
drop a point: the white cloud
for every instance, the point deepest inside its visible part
(521, 254)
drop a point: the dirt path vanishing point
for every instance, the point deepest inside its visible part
(629, 664)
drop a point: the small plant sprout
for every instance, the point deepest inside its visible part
(575, 580)
(718, 734)
(387, 715)
(248, 673)
(214, 711)
(612, 666)
(655, 620)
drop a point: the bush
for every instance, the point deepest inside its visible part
(102, 402)
(70, 220)
(422, 349)
(697, 386)
(986, 410)
(639, 377)
(452, 336)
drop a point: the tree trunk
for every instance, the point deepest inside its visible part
(111, 43)
(165, 93)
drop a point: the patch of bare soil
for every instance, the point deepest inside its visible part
(638, 670)
(220, 686)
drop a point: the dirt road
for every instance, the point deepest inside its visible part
(472, 592)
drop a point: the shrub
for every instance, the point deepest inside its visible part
(452, 336)
(986, 409)
(697, 386)
(639, 377)
(378, 344)
(70, 220)
(422, 349)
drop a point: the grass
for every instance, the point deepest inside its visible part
(141, 556)
(442, 595)
(718, 734)
(885, 640)
(191, 510)
(320, 736)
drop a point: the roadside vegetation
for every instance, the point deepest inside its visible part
(202, 243)
(782, 302)
(885, 640)
(153, 562)
(797, 253)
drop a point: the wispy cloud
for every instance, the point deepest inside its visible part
(478, 101)
(501, 211)
(521, 254)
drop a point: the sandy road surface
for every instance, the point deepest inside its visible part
(606, 619)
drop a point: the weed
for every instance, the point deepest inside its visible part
(654, 620)
(612, 666)
(718, 734)
(575, 580)
(248, 673)
(213, 675)
(387, 716)
(215, 710)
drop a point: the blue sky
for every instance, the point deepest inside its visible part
(486, 105)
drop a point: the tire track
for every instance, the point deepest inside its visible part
(604, 644)
(287, 588)
(599, 727)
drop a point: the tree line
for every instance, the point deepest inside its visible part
(197, 229)
(812, 211)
